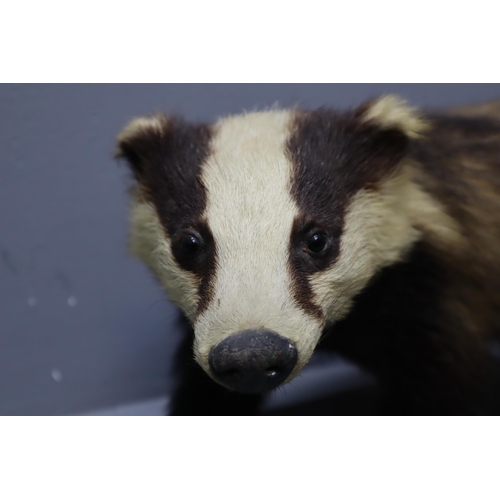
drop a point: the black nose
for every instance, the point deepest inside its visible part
(253, 361)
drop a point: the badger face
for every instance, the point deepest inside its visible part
(265, 226)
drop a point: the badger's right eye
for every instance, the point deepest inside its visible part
(192, 248)
(190, 244)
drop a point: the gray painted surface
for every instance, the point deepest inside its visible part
(332, 377)
(82, 325)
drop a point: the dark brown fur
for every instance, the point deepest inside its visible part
(460, 166)
(334, 155)
(166, 163)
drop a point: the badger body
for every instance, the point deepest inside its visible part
(373, 233)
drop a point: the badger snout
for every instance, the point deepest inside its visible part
(253, 361)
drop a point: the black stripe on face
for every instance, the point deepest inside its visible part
(334, 155)
(166, 159)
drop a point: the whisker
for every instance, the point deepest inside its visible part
(154, 303)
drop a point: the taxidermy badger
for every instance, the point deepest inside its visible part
(373, 232)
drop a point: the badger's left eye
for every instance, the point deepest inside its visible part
(190, 244)
(317, 242)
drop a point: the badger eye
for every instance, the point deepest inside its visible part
(317, 242)
(190, 244)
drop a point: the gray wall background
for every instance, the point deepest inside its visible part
(82, 324)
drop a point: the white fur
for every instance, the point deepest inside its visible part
(137, 126)
(392, 111)
(250, 212)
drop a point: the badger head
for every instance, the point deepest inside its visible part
(263, 227)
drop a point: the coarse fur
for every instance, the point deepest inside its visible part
(408, 285)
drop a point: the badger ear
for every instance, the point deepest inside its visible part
(142, 143)
(382, 131)
(391, 112)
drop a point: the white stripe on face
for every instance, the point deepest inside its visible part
(250, 212)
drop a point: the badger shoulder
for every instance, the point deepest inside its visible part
(454, 193)
(457, 162)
